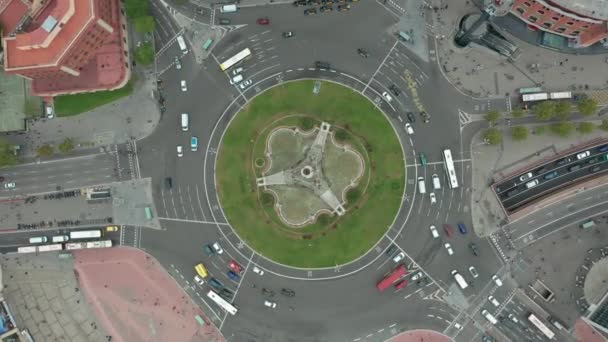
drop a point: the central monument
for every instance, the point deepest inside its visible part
(309, 174)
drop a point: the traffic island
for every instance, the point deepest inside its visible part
(310, 180)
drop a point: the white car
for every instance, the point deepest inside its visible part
(409, 129)
(434, 232)
(237, 71)
(448, 247)
(513, 318)
(184, 86)
(387, 97)
(497, 280)
(473, 272)
(245, 84)
(180, 151)
(494, 301)
(10, 185)
(525, 176)
(270, 304)
(199, 280)
(49, 111)
(218, 249)
(417, 276)
(399, 257)
(258, 271)
(583, 155)
(433, 198)
(457, 326)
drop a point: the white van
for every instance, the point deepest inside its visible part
(60, 238)
(236, 79)
(38, 239)
(460, 280)
(228, 8)
(185, 121)
(421, 185)
(489, 316)
(532, 184)
(436, 182)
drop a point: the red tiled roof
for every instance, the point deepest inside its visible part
(70, 25)
(12, 14)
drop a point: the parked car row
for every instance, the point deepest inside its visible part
(326, 5)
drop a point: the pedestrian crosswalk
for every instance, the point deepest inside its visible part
(464, 118)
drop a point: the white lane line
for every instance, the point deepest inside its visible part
(379, 67)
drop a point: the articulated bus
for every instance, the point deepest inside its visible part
(48, 248)
(541, 326)
(26, 249)
(235, 59)
(91, 244)
(390, 279)
(182, 44)
(222, 303)
(530, 90)
(449, 169)
(85, 234)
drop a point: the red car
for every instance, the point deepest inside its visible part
(263, 21)
(447, 228)
(236, 267)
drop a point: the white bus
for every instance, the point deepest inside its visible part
(560, 95)
(85, 234)
(48, 248)
(26, 249)
(235, 59)
(222, 303)
(182, 44)
(449, 169)
(535, 97)
(99, 244)
(541, 326)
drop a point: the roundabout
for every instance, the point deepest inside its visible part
(322, 195)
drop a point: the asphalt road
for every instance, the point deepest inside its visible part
(544, 179)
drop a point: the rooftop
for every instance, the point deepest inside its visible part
(597, 9)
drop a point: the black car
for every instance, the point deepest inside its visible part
(411, 117)
(574, 167)
(563, 161)
(343, 8)
(224, 21)
(287, 34)
(595, 169)
(393, 88)
(288, 292)
(426, 118)
(474, 249)
(362, 52)
(322, 65)
(300, 3)
(541, 170)
(391, 250)
(593, 160)
(326, 8)
(168, 182)
(267, 292)
(226, 294)
(310, 11)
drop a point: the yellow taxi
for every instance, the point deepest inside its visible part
(111, 228)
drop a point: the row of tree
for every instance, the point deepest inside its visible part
(9, 157)
(560, 110)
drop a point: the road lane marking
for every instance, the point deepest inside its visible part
(379, 67)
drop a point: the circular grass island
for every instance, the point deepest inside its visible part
(255, 191)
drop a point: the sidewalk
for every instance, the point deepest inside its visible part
(492, 163)
(479, 72)
(135, 299)
(133, 117)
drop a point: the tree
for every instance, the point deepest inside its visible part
(562, 110)
(604, 125)
(45, 150)
(493, 136)
(587, 106)
(144, 24)
(563, 129)
(67, 145)
(7, 154)
(492, 116)
(144, 54)
(586, 127)
(519, 133)
(518, 113)
(544, 110)
(137, 8)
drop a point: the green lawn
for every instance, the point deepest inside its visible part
(341, 240)
(68, 105)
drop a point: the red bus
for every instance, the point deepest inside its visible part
(395, 275)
